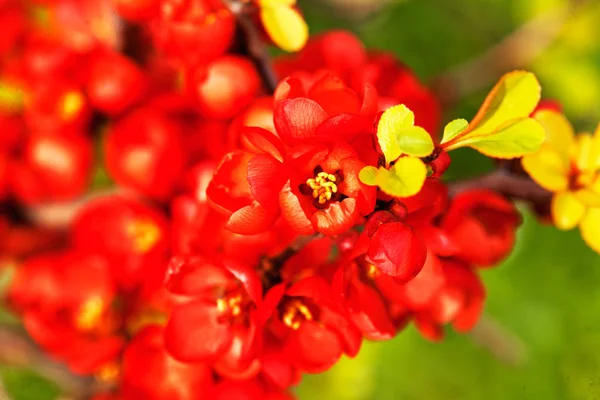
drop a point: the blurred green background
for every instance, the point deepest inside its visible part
(544, 301)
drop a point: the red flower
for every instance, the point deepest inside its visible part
(144, 151)
(131, 235)
(219, 307)
(55, 166)
(66, 300)
(193, 31)
(247, 182)
(460, 302)
(314, 331)
(225, 87)
(149, 372)
(322, 108)
(482, 225)
(366, 306)
(138, 10)
(324, 193)
(338, 51)
(114, 83)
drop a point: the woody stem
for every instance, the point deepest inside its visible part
(253, 43)
(514, 186)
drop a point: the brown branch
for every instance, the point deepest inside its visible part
(501, 181)
(507, 347)
(518, 50)
(254, 44)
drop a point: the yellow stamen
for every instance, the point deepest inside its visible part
(90, 314)
(296, 312)
(372, 271)
(108, 373)
(323, 187)
(72, 103)
(144, 233)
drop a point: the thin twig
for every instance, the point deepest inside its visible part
(254, 44)
(516, 51)
(500, 342)
(501, 181)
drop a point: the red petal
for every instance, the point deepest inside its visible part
(266, 177)
(293, 213)
(369, 312)
(194, 332)
(397, 251)
(195, 276)
(297, 119)
(337, 218)
(252, 219)
(314, 348)
(249, 278)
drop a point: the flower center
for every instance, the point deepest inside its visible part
(234, 306)
(295, 312)
(323, 187)
(90, 314)
(144, 233)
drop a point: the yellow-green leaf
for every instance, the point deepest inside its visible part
(454, 128)
(404, 179)
(285, 26)
(368, 175)
(507, 107)
(514, 139)
(391, 121)
(414, 141)
(397, 135)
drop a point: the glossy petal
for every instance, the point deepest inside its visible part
(297, 119)
(590, 228)
(547, 168)
(567, 211)
(194, 332)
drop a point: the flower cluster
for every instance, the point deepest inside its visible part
(253, 234)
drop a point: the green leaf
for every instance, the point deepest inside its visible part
(454, 128)
(514, 139)
(368, 175)
(404, 179)
(22, 384)
(397, 134)
(501, 119)
(414, 141)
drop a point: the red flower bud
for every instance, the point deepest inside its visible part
(482, 225)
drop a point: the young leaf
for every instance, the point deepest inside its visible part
(397, 134)
(368, 175)
(414, 141)
(514, 139)
(502, 127)
(454, 128)
(406, 178)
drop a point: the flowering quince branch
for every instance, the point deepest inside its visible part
(511, 185)
(254, 44)
(260, 229)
